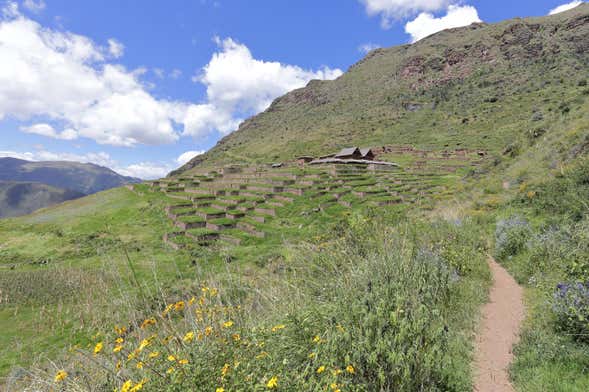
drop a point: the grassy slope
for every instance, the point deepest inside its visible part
(473, 87)
(58, 264)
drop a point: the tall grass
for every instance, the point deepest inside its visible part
(374, 308)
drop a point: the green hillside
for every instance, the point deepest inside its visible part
(22, 198)
(233, 274)
(481, 86)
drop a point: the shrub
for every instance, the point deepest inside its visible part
(511, 236)
(571, 306)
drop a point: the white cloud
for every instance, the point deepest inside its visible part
(427, 24)
(368, 47)
(391, 10)
(66, 78)
(239, 85)
(98, 158)
(187, 156)
(115, 48)
(35, 6)
(565, 7)
(175, 74)
(146, 170)
(62, 77)
(48, 131)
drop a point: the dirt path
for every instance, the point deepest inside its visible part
(498, 332)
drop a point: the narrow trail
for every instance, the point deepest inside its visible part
(498, 333)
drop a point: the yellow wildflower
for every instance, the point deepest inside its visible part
(183, 362)
(138, 386)
(178, 306)
(192, 300)
(199, 336)
(261, 355)
(167, 309)
(132, 355)
(350, 369)
(119, 340)
(320, 369)
(147, 322)
(336, 372)
(171, 358)
(118, 365)
(225, 369)
(144, 343)
(139, 365)
(208, 331)
(317, 339)
(220, 389)
(127, 386)
(154, 354)
(120, 330)
(228, 324)
(117, 348)
(272, 383)
(170, 370)
(189, 337)
(312, 355)
(236, 337)
(278, 327)
(213, 292)
(60, 376)
(333, 386)
(98, 348)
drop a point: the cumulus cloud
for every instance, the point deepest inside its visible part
(427, 24)
(565, 7)
(48, 131)
(115, 48)
(146, 170)
(67, 78)
(35, 6)
(187, 156)
(391, 10)
(63, 77)
(233, 94)
(368, 47)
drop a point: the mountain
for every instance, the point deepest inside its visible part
(27, 186)
(85, 178)
(22, 198)
(481, 86)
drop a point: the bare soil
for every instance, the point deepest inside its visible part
(498, 333)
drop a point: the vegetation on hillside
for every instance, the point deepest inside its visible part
(481, 86)
(373, 308)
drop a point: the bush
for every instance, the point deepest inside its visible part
(571, 306)
(511, 236)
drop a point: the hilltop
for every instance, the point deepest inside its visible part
(481, 86)
(28, 186)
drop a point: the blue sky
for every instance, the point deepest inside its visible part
(142, 85)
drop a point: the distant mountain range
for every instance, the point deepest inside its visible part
(27, 186)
